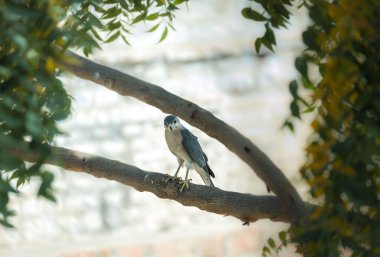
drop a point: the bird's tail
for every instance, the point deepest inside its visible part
(207, 180)
(205, 176)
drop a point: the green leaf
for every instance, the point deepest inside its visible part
(155, 27)
(258, 45)
(271, 243)
(152, 16)
(20, 41)
(114, 26)
(172, 7)
(281, 11)
(93, 20)
(309, 109)
(111, 1)
(177, 2)
(7, 160)
(45, 189)
(269, 35)
(99, 9)
(301, 65)
(282, 236)
(125, 40)
(266, 250)
(5, 71)
(8, 213)
(124, 5)
(113, 37)
(137, 6)
(289, 125)
(96, 35)
(6, 187)
(125, 30)
(111, 13)
(33, 123)
(21, 181)
(164, 34)
(171, 26)
(268, 44)
(139, 18)
(165, 14)
(293, 87)
(310, 39)
(251, 14)
(307, 83)
(6, 224)
(295, 109)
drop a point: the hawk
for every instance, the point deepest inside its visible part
(185, 146)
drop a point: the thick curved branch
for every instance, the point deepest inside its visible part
(245, 207)
(167, 102)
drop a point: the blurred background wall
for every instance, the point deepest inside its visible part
(209, 60)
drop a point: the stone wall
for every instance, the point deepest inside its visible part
(210, 60)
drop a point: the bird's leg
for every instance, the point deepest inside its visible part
(176, 173)
(185, 182)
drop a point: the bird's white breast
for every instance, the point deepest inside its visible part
(174, 141)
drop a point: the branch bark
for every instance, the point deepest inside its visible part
(248, 208)
(167, 102)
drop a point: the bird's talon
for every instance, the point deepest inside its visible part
(172, 178)
(185, 184)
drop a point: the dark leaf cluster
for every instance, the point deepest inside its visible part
(274, 15)
(342, 167)
(109, 20)
(32, 98)
(275, 246)
(343, 155)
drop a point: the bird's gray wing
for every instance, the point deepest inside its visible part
(193, 148)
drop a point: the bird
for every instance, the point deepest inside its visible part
(185, 146)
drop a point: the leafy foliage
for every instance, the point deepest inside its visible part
(116, 18)
(32, 98)
(275, 15)
(343, 156)
(272, 247)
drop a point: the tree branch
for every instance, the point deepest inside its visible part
(246, 207)
(167, 102)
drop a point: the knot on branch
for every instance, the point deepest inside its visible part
(109, 82)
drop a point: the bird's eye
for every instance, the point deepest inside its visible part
(175, 122)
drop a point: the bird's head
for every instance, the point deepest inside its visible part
(172, 122)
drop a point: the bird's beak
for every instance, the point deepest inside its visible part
(171, 128)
